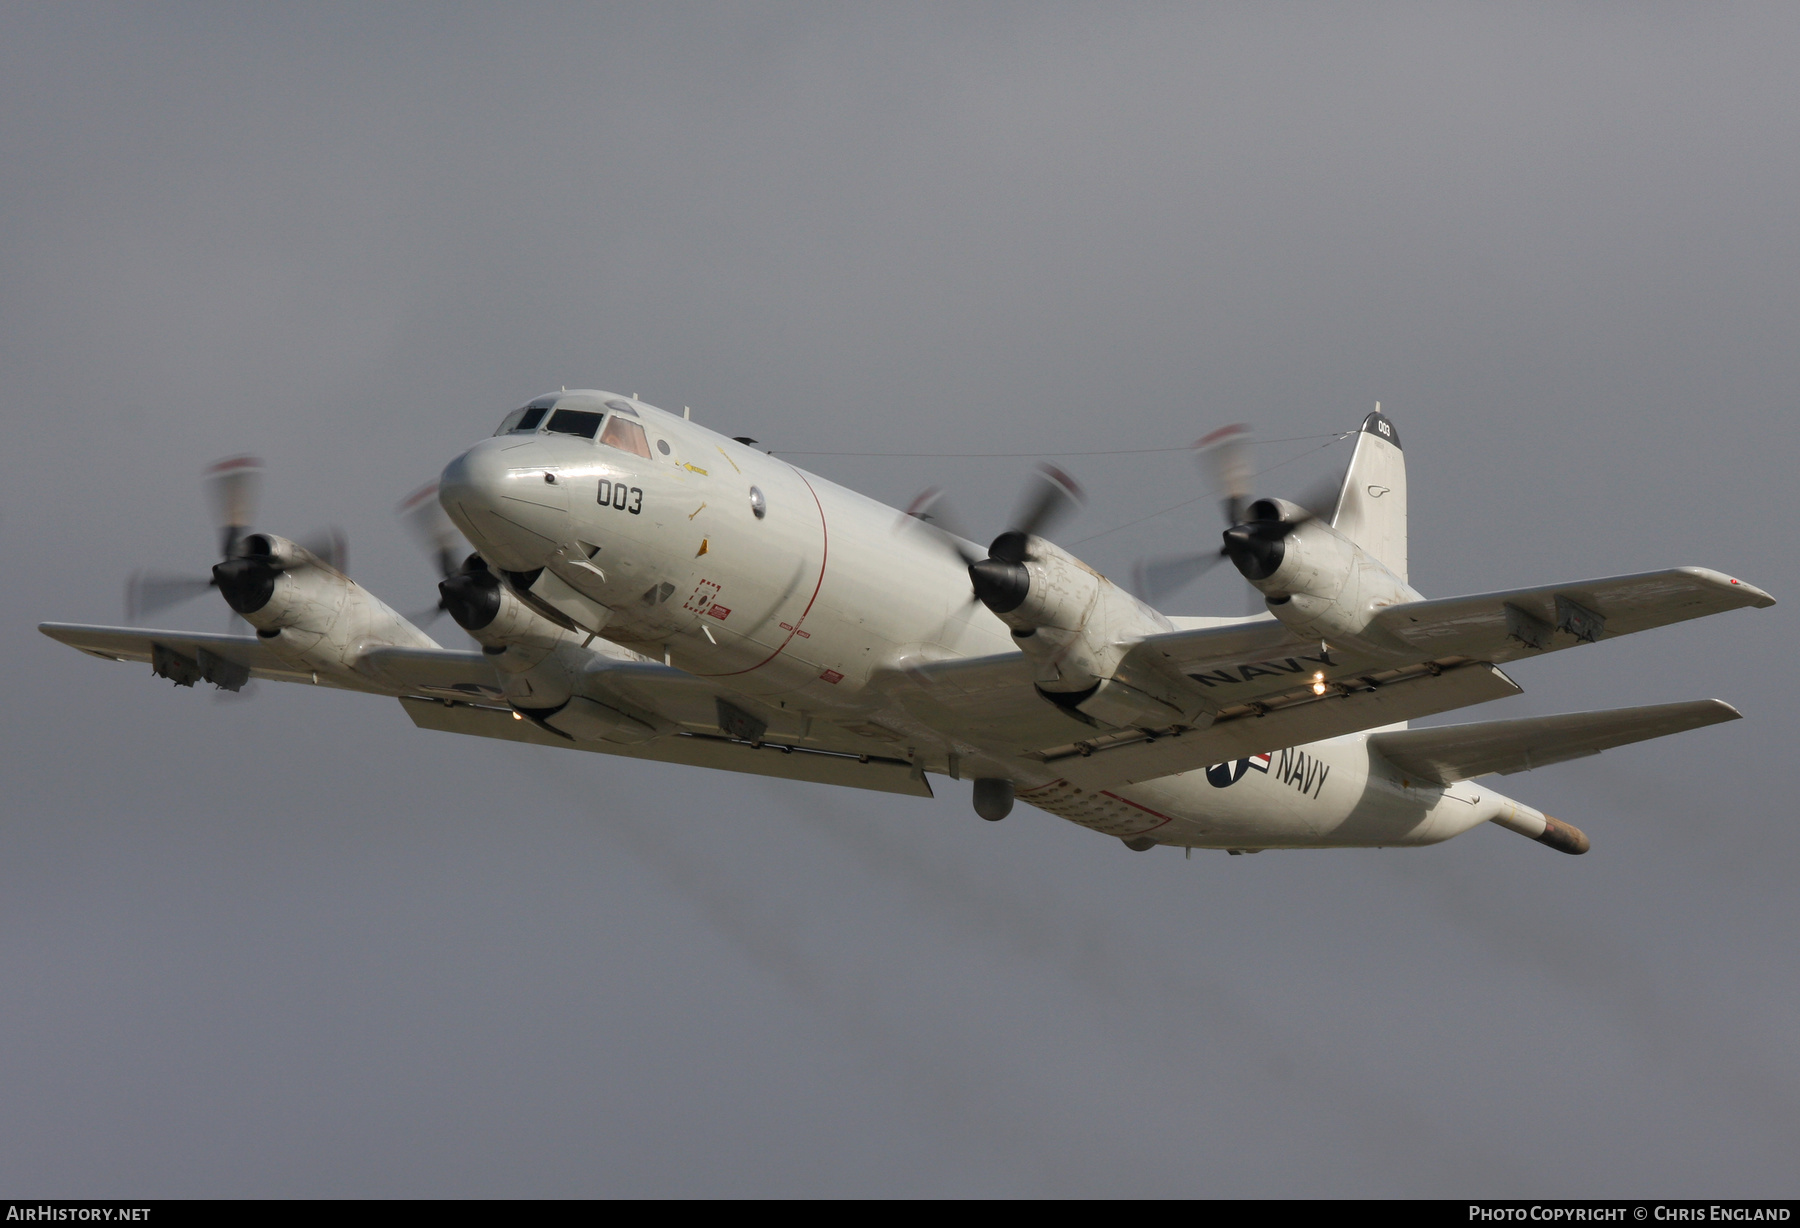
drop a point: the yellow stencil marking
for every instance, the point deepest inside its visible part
(702, 549)
(697, 469)
(727, 457)
(696, 511)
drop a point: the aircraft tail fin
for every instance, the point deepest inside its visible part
(1371, 507)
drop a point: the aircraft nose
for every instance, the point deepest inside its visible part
(503, 494)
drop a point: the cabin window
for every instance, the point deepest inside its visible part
(582, 422)
(627, 437)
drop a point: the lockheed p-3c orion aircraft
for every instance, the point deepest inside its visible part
(644, 587)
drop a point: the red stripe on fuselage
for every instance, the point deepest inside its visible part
(824, 557)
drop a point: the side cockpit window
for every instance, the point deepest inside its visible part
(626, 437)
(582, 422)
(525, 419)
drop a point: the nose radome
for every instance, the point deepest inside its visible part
(497, 495)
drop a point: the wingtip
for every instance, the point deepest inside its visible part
(1753, 596)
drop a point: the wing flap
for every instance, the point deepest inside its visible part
(727, 754)
(1450, 753)
(1523, 622)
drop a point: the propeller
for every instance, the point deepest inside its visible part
(425, 519)
(246, 567)
(1255, 532)
(998, 579)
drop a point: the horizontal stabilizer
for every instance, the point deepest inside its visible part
(1451, 753)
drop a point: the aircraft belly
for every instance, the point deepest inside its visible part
(1322, 795)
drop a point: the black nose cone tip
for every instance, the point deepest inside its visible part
(1000, 585)
(1256, 555)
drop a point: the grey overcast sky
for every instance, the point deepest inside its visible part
(286, 945)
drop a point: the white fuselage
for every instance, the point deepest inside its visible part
(733, 565)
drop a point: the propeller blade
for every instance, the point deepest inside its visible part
(1051, 496)
(148, 591)
(932, 511)
(1163, 578)
(1225, 456)
(426, 520)
(330, 546)
(231, 486)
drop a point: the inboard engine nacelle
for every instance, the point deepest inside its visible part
(1074, 625)
(544, 667)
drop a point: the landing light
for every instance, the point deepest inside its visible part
(1319, 683)
(517, 717)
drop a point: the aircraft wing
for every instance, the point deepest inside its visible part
(990, 703)
(459, 692)
(187, 657)
(1523, 622)
(1450, 753)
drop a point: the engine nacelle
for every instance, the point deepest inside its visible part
(544, 665)
(306, 610)
(1075, 626)
(1316, 580)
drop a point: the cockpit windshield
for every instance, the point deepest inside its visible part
(543, 415)
(582, 422)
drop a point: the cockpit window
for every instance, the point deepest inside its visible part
(582, 422)
(627, 437)
(622, 407)
(533, 414)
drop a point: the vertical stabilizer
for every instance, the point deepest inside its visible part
(1371, 508)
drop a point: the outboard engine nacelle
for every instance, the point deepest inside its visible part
(1316, 580)
(309, 612)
